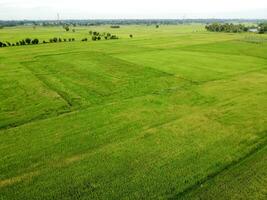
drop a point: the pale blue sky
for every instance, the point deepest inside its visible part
(92, 9)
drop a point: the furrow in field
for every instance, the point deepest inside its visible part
(259, 146)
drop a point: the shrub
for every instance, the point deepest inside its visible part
(65, 40)
(98, 38)
(73, 39)
(59, 39)
(84, 39)
(69, 39)
(131, 36)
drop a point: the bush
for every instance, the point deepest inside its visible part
(51, 40)
(17, 43)
(131, 36)
(69, 39)
(65, 40)
(59, 39)
(98, 38)
(73, 39)
(84, 39)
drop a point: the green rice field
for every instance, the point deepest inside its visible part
(172, 113)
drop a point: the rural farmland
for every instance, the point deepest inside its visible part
(173, 112)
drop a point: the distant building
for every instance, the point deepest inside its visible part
(253, 30)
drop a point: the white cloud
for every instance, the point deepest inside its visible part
(47, 9)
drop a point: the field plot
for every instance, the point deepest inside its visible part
(173, 113)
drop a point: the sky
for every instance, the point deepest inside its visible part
(134, 9)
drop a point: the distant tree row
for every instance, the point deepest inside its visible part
(98, 36)
(55, 39)
(229, 28)
(27, 41)
(114, 26)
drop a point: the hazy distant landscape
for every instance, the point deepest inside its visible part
(133, 108)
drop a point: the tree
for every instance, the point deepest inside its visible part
(22, 42)
(28, 40)
(262, 28)
(114, 37)
(94, 38)
(66, 27)
(1, 44)
(54, 39)
(35, 41)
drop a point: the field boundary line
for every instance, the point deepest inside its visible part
(259, 146)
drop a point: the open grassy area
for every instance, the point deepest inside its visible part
(173, 113)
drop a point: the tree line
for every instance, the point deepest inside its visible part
(235, 28)
(229, 28)
(28, 41)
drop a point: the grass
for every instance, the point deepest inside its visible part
(174, 113)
